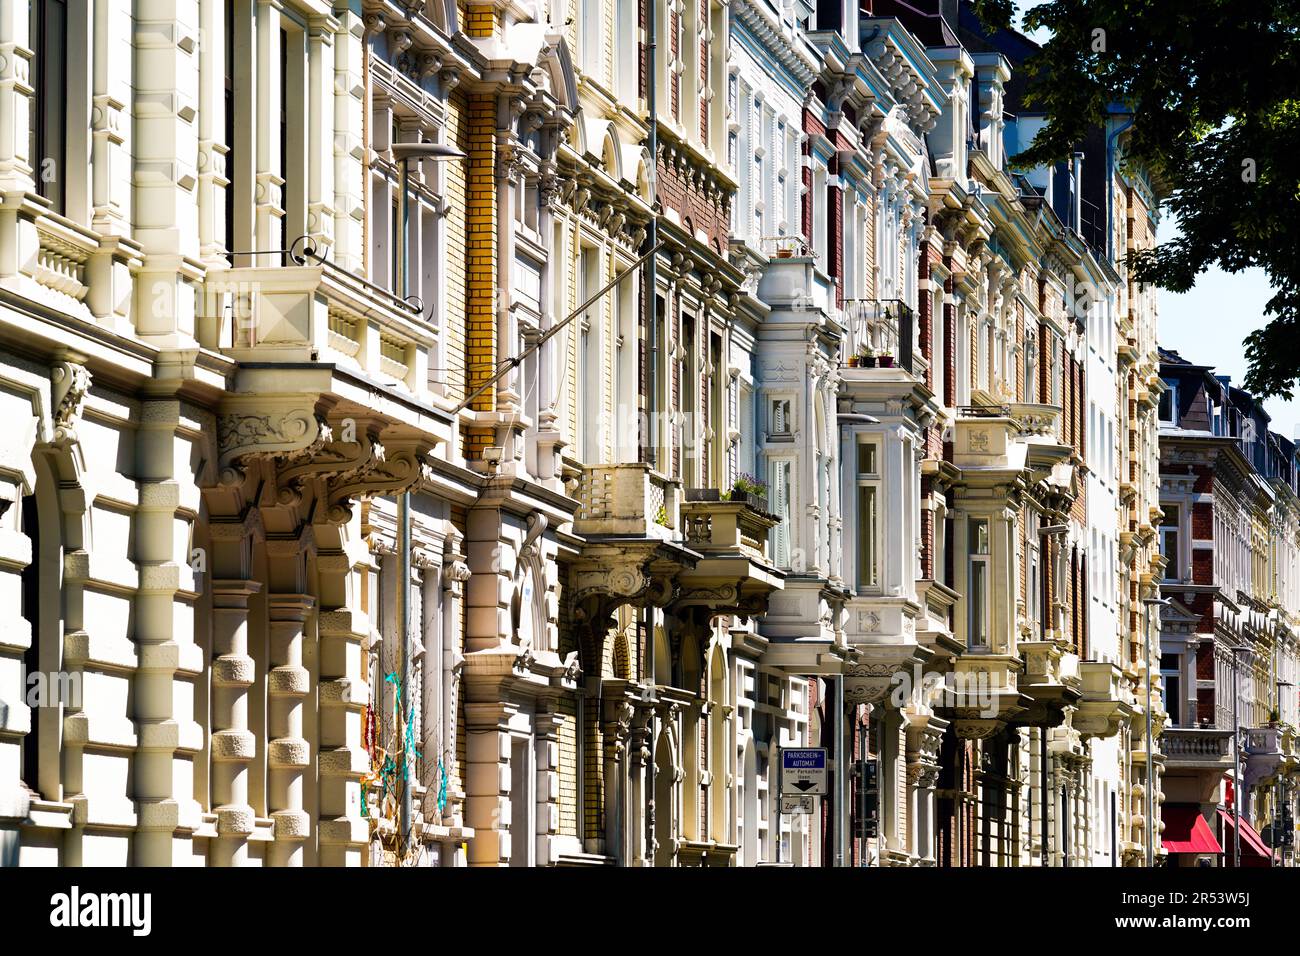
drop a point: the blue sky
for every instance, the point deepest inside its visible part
(1209, 324)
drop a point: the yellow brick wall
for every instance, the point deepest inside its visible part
(454, 267)
(477, 20)
(568, 768)
(481, 252)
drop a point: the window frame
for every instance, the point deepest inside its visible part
(983, 560)
(868, 480)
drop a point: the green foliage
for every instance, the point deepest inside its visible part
(1214, 92)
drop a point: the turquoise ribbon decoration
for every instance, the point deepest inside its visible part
(409, 751)
(396, 681)
(442, 786)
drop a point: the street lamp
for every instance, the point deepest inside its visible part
(404, 153)
(1151, 773)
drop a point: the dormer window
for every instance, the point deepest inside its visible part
(1168, 408)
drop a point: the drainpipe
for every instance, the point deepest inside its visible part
(652, 236)
(1110, 187)
(404, 153)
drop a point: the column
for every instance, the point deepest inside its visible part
(232, 744)
(169, 660)
(487, 781)
(343, 694)
(213, 148)
(165, 172)
(289, 754)
(348, 146)
(615, 727)
(546, 727)
(454, 575)
(268, 209)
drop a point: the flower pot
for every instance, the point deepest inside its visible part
(784, 253)
(853, 361)
(886, 361)
(868, 361)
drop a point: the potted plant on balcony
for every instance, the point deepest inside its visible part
(749, 489)
(866, 357)
(852, 361)
(886, 360)
(1274, 718)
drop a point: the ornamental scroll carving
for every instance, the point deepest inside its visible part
(340, 461)
(69, 383)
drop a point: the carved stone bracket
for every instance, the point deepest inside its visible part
(69, 383)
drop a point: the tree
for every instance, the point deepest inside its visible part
(1215, 95)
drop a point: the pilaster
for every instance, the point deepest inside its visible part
(232, 744)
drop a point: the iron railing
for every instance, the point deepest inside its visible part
(881, 332)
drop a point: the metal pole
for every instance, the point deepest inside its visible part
(404, 542)
(508, 364)
(1236, 767)
(652, 238)
(1045, 789)
(1151, 787)
(651, 722)
(652, 329)
(841, 791)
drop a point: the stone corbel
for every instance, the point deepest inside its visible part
(449, 78)
(389, 470)
(287, 433)
(430, 63)
(69, 383)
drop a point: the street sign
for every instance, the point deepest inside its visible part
(803, 771)
(798, 803)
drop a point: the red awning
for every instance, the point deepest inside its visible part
(1187, 832)
(1254, 851)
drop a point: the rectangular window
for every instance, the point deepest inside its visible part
(1169, 543)
(1034, 587)
(868, 505)
(48, 106)
(1168, 409)
(977, 584)
(781, 493)
(780, 418)
(1171, 678)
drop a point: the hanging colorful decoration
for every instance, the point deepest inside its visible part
(388, 777)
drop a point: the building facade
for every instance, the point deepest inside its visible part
(1228, 653)
(489, 432)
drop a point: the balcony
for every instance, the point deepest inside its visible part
(793, 286)
(310, 310)
(628, 501)
(1197, 748)
(1103, 707)
(1262, 748)
(883, 634)
(630, 516)
(982, 695)
(1047, 683)
(729, 532)
(880, 333)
